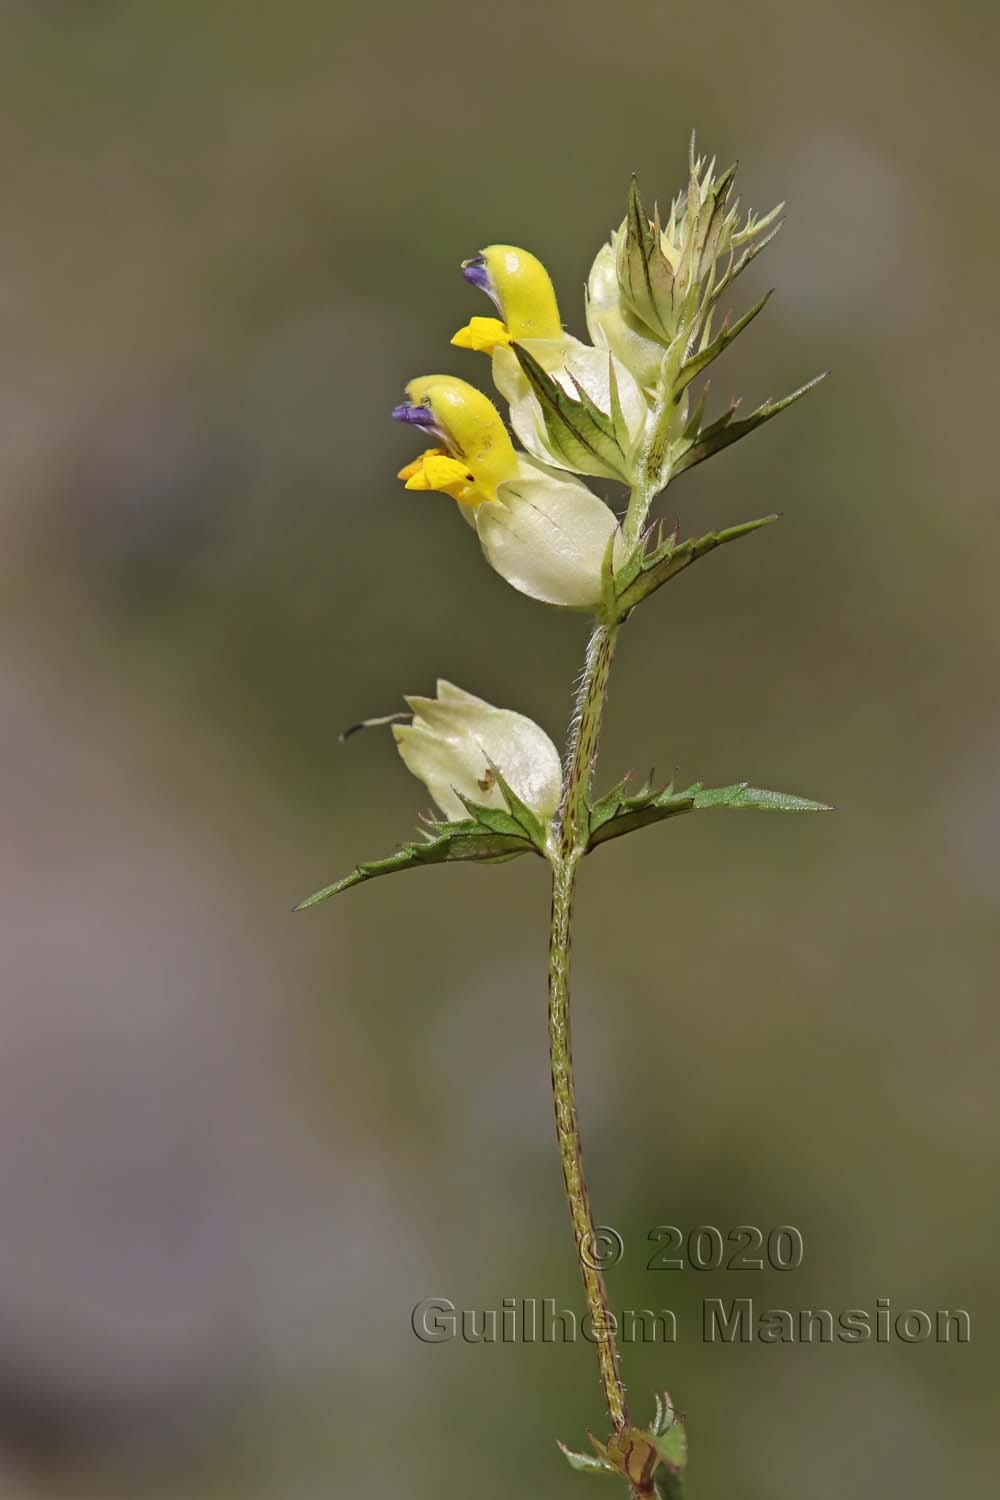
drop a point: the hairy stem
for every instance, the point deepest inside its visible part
(654, 471)
(569, 846)
(572, 838)
(584, 733)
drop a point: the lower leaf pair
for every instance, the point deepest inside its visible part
(497, 777)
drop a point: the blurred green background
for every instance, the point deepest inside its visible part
(236, 1145)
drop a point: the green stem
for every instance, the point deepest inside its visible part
(572, 838)
(568, 847)
(585, 731)
(654, 471)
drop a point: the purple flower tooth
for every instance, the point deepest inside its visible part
(416, 416)
(476, 274)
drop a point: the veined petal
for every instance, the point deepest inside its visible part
(549, 538)
(456, 739)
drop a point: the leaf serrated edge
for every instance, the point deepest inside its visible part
(672, 557)
(565, 418)
(617, 814)
(456, 842)
(585, 1463)
(712, 439)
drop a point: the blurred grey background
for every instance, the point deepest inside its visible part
(237, 1145)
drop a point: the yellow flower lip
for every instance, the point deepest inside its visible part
(436, 470)
(483, 335)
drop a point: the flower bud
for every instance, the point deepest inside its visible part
(671, 276)
(457, 743)
(613, 325)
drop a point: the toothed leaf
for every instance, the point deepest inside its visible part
(586, 1463)
(700, 361)
(671, 557)
(470, 839)
(644, 273)
(744, 795)
(726, 430)
(497, 820)
(617, 813)
(671, 1445)
(751, 253)
(578, 428)
(524, 818)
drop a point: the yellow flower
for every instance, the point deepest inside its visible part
(475, 453)
(521, 287)
(541, 529)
